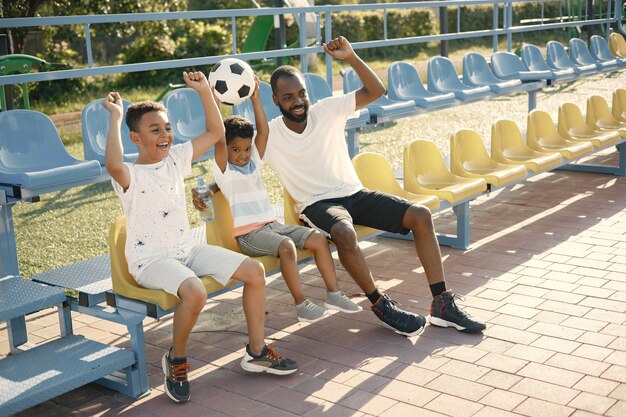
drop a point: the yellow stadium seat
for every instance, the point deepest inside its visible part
(375, 173)
(125, 285)
(572, 126)
(469, 158)
(617, 45)
(425, 172)
(618, 107)
(508, 147)
(542, 135)
(219, 232)
(599, 116)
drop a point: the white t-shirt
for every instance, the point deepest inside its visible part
(156, 210)
(246, 195)
(315, 165)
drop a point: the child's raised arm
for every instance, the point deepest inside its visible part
(214, 125)
(114, 152)
(262, 128)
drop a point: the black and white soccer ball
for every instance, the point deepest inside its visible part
(233, 80)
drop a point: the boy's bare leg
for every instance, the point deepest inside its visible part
(252, 274)
(289, 269)
(192, 295)
(323, 259)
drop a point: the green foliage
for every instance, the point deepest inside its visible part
(368, 25)
(171, 40)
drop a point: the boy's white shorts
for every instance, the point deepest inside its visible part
(169, 273)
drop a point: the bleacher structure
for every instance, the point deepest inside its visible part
(33, 162)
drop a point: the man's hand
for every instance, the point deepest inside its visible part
(339, 48)
(196, 80)
(113, 103)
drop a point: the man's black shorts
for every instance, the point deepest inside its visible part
(366, 208)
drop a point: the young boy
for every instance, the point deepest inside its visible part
(237, 172)
(160, 249)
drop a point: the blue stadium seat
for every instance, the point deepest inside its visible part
(317, 89)
(186, 114)
(533, 59)
(476, 73)
(95, 124)
(599, 49)
(404, 83)
(32, 154)
(271, 110)
(443, 78)
(382, 109)
(579, 54)
(556, 58)
(509, 66)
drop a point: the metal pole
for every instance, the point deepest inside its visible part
(279, 31)
(443, 25)
(6, 99)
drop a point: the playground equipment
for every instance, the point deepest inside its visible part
(21, 64)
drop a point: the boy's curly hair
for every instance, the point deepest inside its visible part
(137, 110)
(237, 126)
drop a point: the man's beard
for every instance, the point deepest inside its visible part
(292, 117)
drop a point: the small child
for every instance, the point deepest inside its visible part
(237, 172)
(160, 249)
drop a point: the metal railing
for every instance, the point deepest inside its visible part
(612, 16)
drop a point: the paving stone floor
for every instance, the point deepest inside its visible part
(546, 271)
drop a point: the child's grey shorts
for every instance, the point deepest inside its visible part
(169, 273)
(267, 239)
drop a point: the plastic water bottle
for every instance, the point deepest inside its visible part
(203, 191)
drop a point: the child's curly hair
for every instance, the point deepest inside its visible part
(237, 126)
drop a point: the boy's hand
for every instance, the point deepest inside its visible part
(257, 85)
(198, 202)
(339, 48)
(196, 80)
(113, 103)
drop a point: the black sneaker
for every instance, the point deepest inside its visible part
(268, 361)
(402, 322)
(175, 380)
(445, 313)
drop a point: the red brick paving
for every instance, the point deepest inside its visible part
(546, 270)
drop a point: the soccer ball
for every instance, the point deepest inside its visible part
(233, 81)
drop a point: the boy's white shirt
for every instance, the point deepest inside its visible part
(245, 192)
(315, 165)
(156, 209)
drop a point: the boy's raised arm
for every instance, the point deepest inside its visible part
(214, 125)
(372, 88)
(260, 120)
(114, 152)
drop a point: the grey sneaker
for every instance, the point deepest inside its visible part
(340, 302)
(309, 312)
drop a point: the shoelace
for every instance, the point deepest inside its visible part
(453, 303)
(272, 354)
(309, 306)
(179, 372)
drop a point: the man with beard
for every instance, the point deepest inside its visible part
(307, 149)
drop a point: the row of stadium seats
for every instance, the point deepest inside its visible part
(407, 96)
